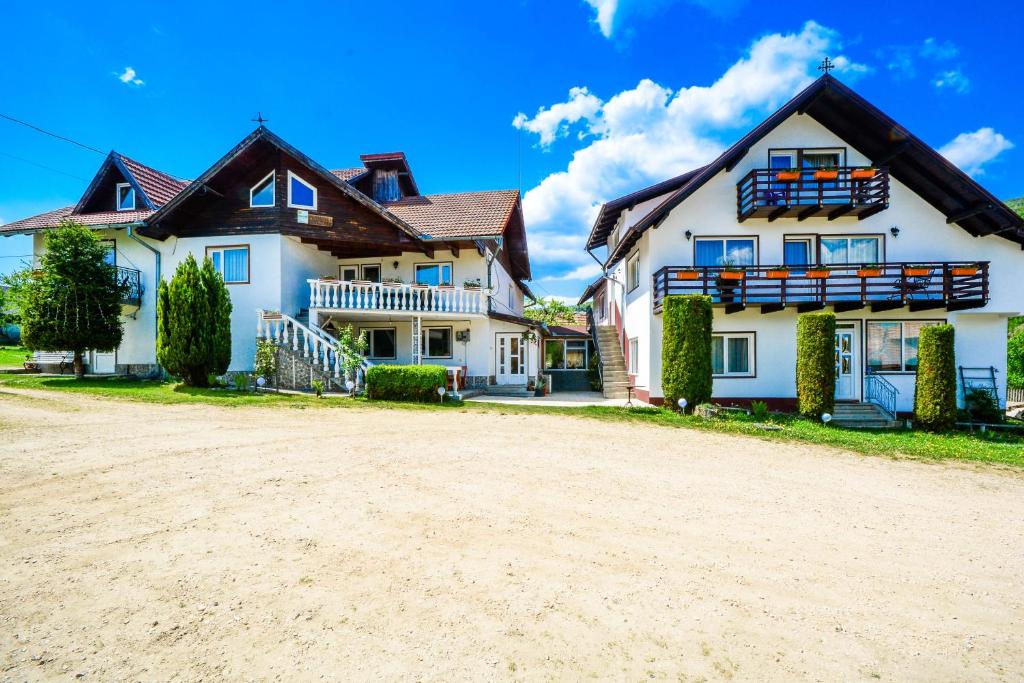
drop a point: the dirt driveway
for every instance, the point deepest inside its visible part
(148, 542)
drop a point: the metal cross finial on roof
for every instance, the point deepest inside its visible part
(259, 118)
(826, 66)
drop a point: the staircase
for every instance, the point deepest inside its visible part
(305, 354)
(613, 365)
(512, 390)
(862, 416)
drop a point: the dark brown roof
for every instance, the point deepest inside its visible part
(567, 331)
(911, 161)
(470, 215)
(51, 219)
(157, 185)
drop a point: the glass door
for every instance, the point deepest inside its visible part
(509, 362)
(846, 363)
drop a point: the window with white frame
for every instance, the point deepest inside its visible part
(382, 343)
(633, 272)
(232, 262)
(724, 251)
(348, 273)
(842, 250)
(565, 354)
(634, 355)
(732, 354)
(437, 342)
(892, 344)
(125, 197)
(301, 195)
(433, 273)
(262, 193)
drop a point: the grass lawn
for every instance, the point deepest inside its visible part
(12, 356)
(992, 447)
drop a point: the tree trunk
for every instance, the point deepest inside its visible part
(79, 365)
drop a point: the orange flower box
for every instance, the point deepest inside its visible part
(687, 274)
(863, 173)
(787, 176)
(965, 271)
(780, 274)
(732, 275)
(821, 273)
(917, 272)
(869, 272)
(826, 175)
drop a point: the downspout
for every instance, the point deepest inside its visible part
(490, 262)
(156, 291)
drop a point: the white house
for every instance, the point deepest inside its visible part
(863, 200)
(306, 251)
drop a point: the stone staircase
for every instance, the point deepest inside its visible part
(614, 364)
(511, 390)
(862, 416)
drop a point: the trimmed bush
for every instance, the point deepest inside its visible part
(1015, 359)
(816, 364)
(686, 350)
(935, 389)
(406, 382)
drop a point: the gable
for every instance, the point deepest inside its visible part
(100, 195)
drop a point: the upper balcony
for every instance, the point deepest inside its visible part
(396, 298)
(132, 280)
(807, 193)
(883, 287)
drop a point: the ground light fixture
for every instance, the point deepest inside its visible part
(440, 392)
(261, 381)
(826, 417)
(682, 404)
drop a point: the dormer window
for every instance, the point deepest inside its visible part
(125, 197)
(262, 193)
(301, 195)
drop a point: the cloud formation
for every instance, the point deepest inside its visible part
(651, 132)
(610, 14)
(972, 151)
(129, 77)
(952, 80)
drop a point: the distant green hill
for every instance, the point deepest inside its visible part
(1016, 204)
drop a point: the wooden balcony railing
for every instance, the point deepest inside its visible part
(395, 297)
(883, 287)
(761, 194)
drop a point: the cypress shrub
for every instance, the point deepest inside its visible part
(686, 350)
(406, 382)
(816, 363)
(935, 389)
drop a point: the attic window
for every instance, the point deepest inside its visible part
(301, 195)
(262, 193)
(125, 197)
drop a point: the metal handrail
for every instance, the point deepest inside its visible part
(761, 194)
(132, 280)
(881, 392)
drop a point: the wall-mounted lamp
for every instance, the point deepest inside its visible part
(688, 235)
(394, 264)
(894, 231)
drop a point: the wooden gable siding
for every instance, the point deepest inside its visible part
(211, 215)
(103, 198)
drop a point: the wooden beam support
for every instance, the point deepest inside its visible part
(967, 213)
(772, 308)
(454, 248)
(734, 308)
(926, 305)
(840, 211)
(810, 306)
(777, 213)
(964, 304)
(880, 306)
(808, 212)
(844, 306)
(872, 211)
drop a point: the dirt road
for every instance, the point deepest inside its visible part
(151, 542)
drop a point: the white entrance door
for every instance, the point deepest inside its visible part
(847, 370)
(510, 366)
(103, 363)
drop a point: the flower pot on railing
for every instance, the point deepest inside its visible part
(687, 274)
(418, 285)
(329, 279)
(446, 285)
(788, 176)
(917, 271)
(819, 273)
(362, 282)
(826, 174)
(732, 275)
(777, 274)
(965, 271)
(869, 271)
(863, 173)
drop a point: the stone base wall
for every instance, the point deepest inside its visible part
(477, 381)
(147, 370)
(295, 373)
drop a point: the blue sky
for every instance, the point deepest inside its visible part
(574, 101)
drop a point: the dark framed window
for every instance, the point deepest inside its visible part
(383, 343)
(437, 342)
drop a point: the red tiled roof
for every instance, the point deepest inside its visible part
(463, 214)
(567, 331)
(158, 186)
(51, 219)
(348, 174)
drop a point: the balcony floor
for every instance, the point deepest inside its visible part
(805, 211)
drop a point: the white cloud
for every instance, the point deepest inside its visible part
(588, 271)
(129, 77)
(933, 49)
(953, 80)
(651, 132)
(971, 151)
(605, 15)
(903, 58)
(610, 14)
(555, 121)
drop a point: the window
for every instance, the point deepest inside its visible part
(231, 262)
(370, 272)
(850, 250)
(434, 273)
(716, 251)
(797, 251)
(301, 195)
(634, 355)
(110, 252)
(565, 354)
(554, 354)
(262, 193)
(125, 197)
(732, 354)
(382, 343)
(437, 342)
(348, 273)
(633, 271)
(892, 345)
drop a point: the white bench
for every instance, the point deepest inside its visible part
(62, 359)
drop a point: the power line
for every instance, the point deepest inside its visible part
(53, 135)
(48, 168)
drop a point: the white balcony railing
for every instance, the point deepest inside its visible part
(391, 297)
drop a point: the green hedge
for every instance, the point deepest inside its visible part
(816, 363)
(935, 389)
(406, 382)
(686, 350)
(1015, 360)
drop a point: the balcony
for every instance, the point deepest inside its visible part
(882, 287)
(376, 297)
(132, 280)
(854, 191)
